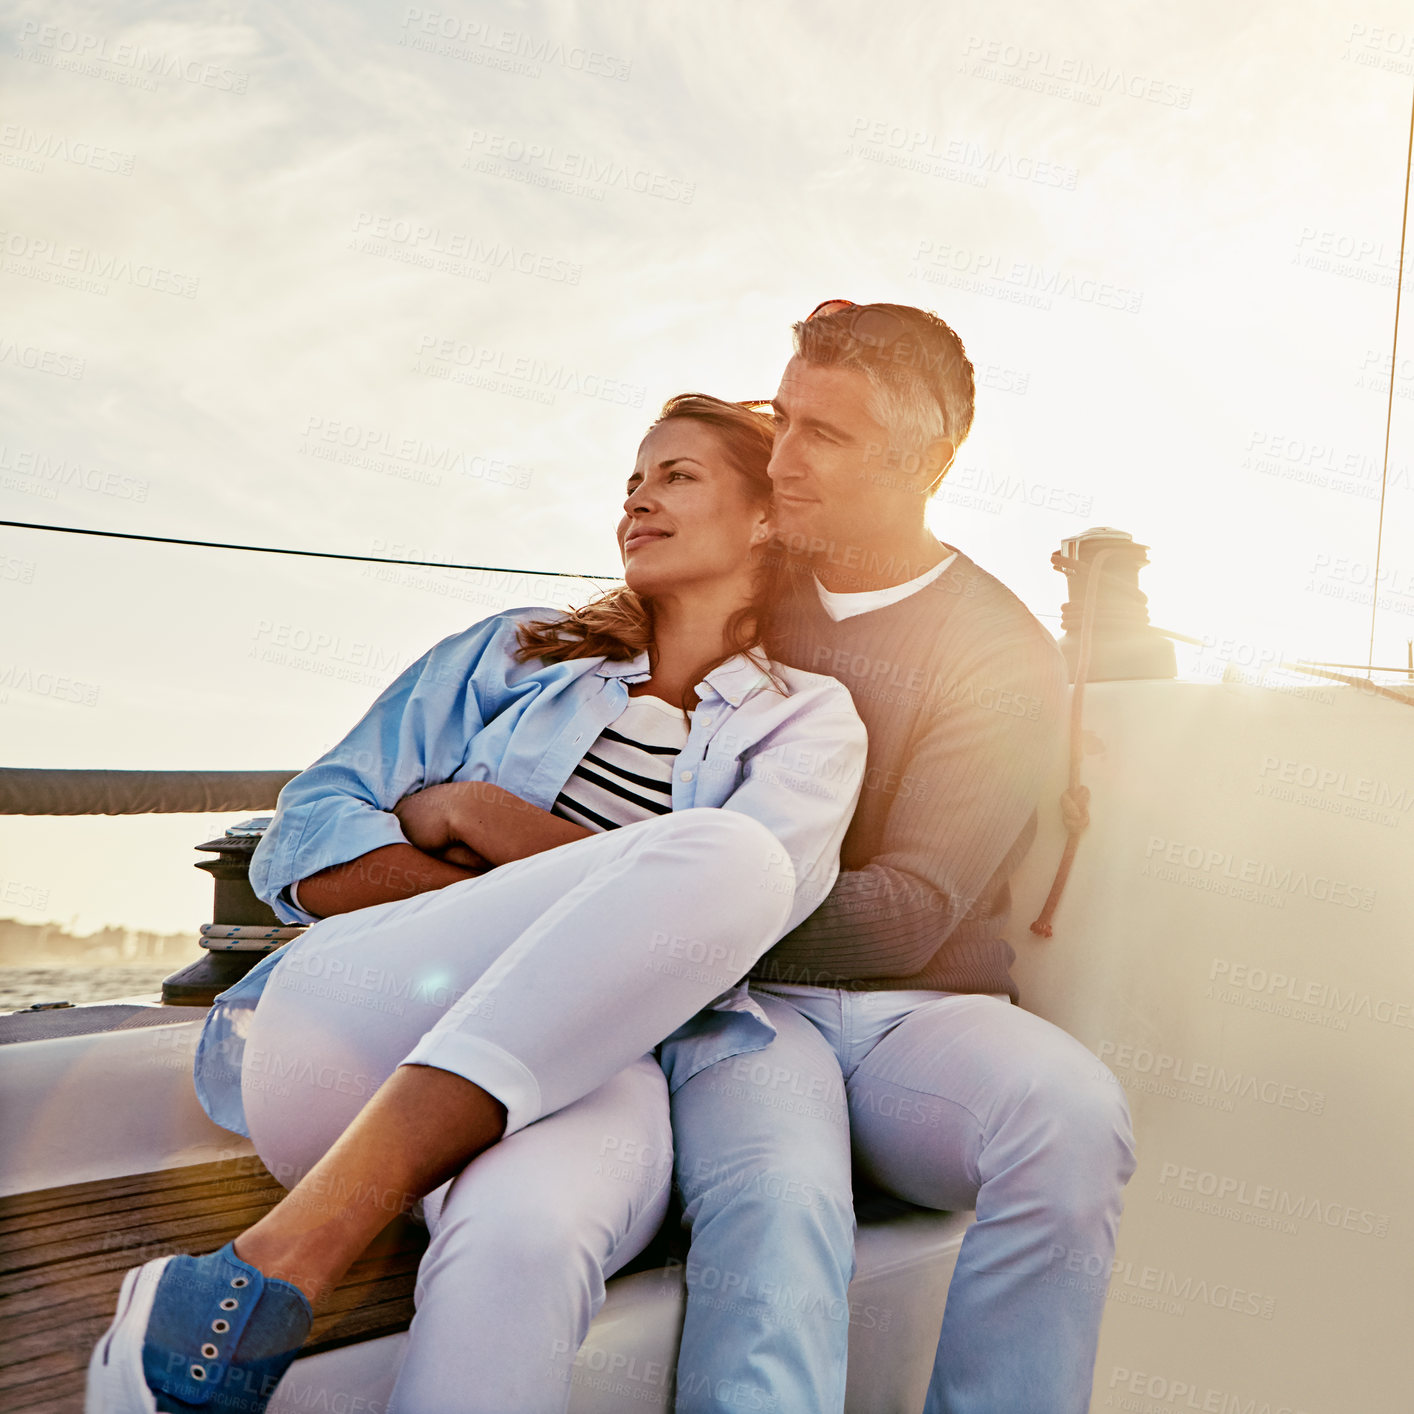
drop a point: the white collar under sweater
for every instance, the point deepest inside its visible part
(846, 606)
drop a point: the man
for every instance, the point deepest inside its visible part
(896, 1038)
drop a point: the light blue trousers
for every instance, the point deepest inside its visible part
(951, 1102)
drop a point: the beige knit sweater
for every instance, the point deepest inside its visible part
(963, 693)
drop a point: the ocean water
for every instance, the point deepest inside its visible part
(21, 986)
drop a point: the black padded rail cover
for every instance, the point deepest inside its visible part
(56, 1022)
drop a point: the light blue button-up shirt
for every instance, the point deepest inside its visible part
(469, 711)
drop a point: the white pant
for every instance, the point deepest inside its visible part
(546, 982)
(522, 1243)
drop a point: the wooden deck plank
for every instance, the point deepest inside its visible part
(61, 1349)
(32, 1287)
(14, 1216)
(40, 1401)
(178, 1228)
(63, 1253)
(221, 1171)
(17, 1234)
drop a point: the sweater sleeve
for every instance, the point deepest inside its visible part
(961, 798)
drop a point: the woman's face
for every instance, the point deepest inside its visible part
(690, 517)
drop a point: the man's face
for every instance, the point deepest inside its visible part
(829, 458)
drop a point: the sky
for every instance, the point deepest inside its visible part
(411, 281)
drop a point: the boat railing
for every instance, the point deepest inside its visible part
(243, 927)
(34, 791)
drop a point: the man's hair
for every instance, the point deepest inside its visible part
(922, 380)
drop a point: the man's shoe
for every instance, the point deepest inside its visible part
(197, 1333)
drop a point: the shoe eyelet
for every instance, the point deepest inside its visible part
(209, 1351)
(240, 1281)
(230, 1304)
(220, 1326)
(198, 1372)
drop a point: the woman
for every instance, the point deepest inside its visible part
(515, 896)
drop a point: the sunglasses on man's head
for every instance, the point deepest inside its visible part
(875, 328)
(871, 326)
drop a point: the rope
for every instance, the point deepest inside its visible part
(1363, 684)
(1075, 799)
(245, 937)
(278, 550)
(1389, 411)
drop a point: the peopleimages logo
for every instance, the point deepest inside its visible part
(1345, 784)
(537, 378)
(65, 263)
(476, 41)
(1262, 1204)
(452, 252)
(41, 360)
(577, 173)
(20, 677)
(1154, 1288)
(958, 159)
(1136, 1390)
(980, 488)
(408, 457)
(1066, 75)
(1177, 862)
(32, 149)
(136, 65)
(1016, 281)
(1310, 999)
(1173, 1071)
(38, 469)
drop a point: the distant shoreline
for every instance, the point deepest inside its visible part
(51, 945)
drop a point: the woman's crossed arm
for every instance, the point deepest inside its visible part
(456, 830)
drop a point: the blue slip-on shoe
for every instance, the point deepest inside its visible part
(197, 1333)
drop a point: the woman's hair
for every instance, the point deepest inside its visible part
(618, 624)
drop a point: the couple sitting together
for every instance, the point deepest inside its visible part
(632, 874)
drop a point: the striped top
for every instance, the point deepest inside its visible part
(627, 774)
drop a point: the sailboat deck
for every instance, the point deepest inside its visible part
(63, 1252)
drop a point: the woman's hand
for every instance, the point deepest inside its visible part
(431, 821)
(465, 857)
(482, 818)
